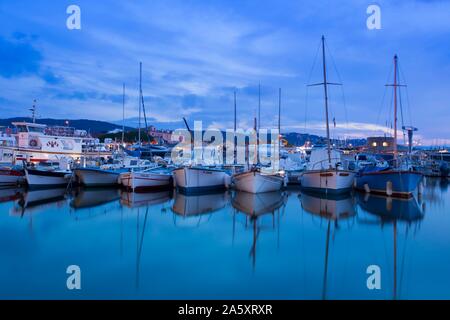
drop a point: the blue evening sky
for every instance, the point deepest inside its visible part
(195, 53)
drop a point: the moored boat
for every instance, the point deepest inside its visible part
(255, 181)
(200, 179)
(47, 174)
(326, 173)
(96, 177)
(388, 181)
(10, 176)
(397, 180)
(156, 178)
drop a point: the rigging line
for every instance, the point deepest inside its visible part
(401, 113)
(308, 81)
(384, 95)
(391, 118)
(340, 81)
(400, 101)
(306, 106)
(408, 105)
(145, 118)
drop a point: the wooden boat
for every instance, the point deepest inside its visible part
(325, 175)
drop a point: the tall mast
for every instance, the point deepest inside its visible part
(279, 121)
(259, 121)
(325, 85)
(234, 138)
(395, 109)
(140, 101)
(259, 107)
(123, 114)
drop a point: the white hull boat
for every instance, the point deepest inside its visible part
(10, 177)
(257, 182)
(146, 180)
(327, 181)
(92, 177)
(43, 178)
(199, 179)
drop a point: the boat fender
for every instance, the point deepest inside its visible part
(389, 188)
(366, 188)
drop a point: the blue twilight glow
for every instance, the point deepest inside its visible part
(196, 52)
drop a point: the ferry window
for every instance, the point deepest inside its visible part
(36, 129)
(22, 128)
(45, 164)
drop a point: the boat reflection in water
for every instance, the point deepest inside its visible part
(93, 197)
(396, 211)
(254, 206)
(37, 200)
(135, 200)
(188, 206)
(334, 209)
(390, 209)
(10, 194)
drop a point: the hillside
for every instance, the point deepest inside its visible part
(95, 127)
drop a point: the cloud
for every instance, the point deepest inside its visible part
(196, 53)
(18, 57)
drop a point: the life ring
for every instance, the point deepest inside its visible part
(33, 143)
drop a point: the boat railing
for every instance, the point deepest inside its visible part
(336, 161)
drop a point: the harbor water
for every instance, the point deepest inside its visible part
(230, 245)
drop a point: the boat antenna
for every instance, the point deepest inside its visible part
(33, 111)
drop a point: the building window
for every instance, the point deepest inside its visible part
(374, 144)
(385, 144)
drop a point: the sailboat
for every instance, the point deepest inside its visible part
(113, 175)
(150, 178)
(325, 174)
(397, 179)
(256, 180)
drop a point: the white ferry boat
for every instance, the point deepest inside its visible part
(36, 142)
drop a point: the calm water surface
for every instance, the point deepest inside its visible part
(285, 245)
